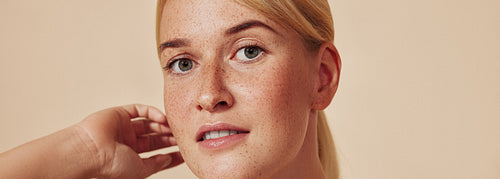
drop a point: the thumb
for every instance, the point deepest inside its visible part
(156, 163)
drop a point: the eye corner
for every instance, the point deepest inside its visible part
(165, 68)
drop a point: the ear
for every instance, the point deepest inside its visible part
(328, 75)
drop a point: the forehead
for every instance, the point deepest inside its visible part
(185, 18)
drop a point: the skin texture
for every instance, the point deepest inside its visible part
(104, 145)
(117, 140)
(275, 96)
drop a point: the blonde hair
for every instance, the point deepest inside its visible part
(312, 19)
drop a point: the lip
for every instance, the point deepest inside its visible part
(222, 141)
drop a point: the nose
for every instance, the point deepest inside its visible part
(213, 94)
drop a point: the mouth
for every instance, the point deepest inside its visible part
(219, 134)
(216, 136)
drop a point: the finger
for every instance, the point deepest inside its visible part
(149, 112)
(161, 162)
(148, 143)
(145, 126)
(131, 111)
(176, 160)
(155, 164)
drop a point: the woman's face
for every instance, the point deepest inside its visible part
(238, 88)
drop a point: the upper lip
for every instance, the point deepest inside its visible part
(217, 127)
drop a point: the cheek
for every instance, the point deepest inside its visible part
(283, 89)
(278, 102)
(288, 99)
(176, 108)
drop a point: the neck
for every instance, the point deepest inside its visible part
(307, 163)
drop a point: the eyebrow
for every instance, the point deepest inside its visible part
(246, 25)
(176, 43)
(181, 42)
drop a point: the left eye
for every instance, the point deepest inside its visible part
(248, 53)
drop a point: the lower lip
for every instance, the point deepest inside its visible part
(223, 142)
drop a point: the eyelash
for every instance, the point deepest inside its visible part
(171, 62)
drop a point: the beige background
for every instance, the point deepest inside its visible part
(419, 96)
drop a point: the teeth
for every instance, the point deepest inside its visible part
(218, 134)
(223, 133)
(214, 134)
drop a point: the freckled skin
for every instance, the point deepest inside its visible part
(271, 97)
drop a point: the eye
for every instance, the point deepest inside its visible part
(247, 54)
(181, 65)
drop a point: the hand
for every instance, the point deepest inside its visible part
(116, 140)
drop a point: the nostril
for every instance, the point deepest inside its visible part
(223, 103)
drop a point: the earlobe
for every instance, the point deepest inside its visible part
(328, 75)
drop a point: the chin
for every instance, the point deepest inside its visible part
(247, 160)
(236, 162)
(236, 169)
(243, 160)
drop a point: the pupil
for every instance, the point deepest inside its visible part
(185, 65)
(251, 52)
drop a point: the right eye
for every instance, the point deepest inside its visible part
(182, 65)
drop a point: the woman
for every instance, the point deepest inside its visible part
(245, 86)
